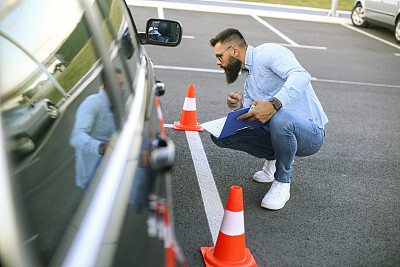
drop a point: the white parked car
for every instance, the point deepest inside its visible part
(384, 13)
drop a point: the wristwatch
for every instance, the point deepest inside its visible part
(101, 148)
(276, 103)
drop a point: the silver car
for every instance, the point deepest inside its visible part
(384, 13)
(96, 190)
(26, 123)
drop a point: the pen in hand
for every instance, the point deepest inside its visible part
(234, 100)
(239, 103)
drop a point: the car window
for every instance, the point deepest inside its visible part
(123, 45)
(52, 87)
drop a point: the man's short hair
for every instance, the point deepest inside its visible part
(103, 76)
(230, 36)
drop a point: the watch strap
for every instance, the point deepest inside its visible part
(276, 103)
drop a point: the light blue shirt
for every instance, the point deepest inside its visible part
(273, 71)
(94, 124)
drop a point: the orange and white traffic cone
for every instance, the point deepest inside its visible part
(188, 121)
(230, 249)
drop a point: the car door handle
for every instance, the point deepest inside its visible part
(159, 88)
(162, 157)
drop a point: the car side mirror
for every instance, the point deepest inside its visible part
(163, 32)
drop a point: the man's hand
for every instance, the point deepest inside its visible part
(262, 112)
(235, 101)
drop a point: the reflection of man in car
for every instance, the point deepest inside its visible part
(94, 127)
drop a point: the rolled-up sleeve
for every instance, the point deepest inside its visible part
(80, 137)
(284, 64)
(274, 72)
(293, 87)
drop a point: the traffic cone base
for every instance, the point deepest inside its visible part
(211, 261)
(179, 126)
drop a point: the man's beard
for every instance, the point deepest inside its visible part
(232, 69)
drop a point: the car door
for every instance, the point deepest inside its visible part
(390, 8)
(373, 9)
(65, 203)
(382, 10)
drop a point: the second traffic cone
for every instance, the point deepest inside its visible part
(188, 121)
(230, 249)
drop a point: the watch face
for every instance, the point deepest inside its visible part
(101, 149)
(276, 104)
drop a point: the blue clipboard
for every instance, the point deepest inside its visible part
(231, 125)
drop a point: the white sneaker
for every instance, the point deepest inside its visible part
(266, 175)
(277, 196)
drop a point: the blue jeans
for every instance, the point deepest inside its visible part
(287, 135)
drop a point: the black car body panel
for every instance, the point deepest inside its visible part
(74, 54)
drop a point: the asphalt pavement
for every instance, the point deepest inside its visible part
(345, 206)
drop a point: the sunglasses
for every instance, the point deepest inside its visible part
(219, 56)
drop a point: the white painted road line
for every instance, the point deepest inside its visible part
(306, 46)
(160, 12)
(370, 35)
(284, 37)
(161, 15)
(272, 28)
(188, 69)
(209, 193)
(292, 43)
(313, 78)
(355, 83)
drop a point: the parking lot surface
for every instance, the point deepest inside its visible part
(345, 206)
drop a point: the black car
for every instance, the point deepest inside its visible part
(96, 192)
